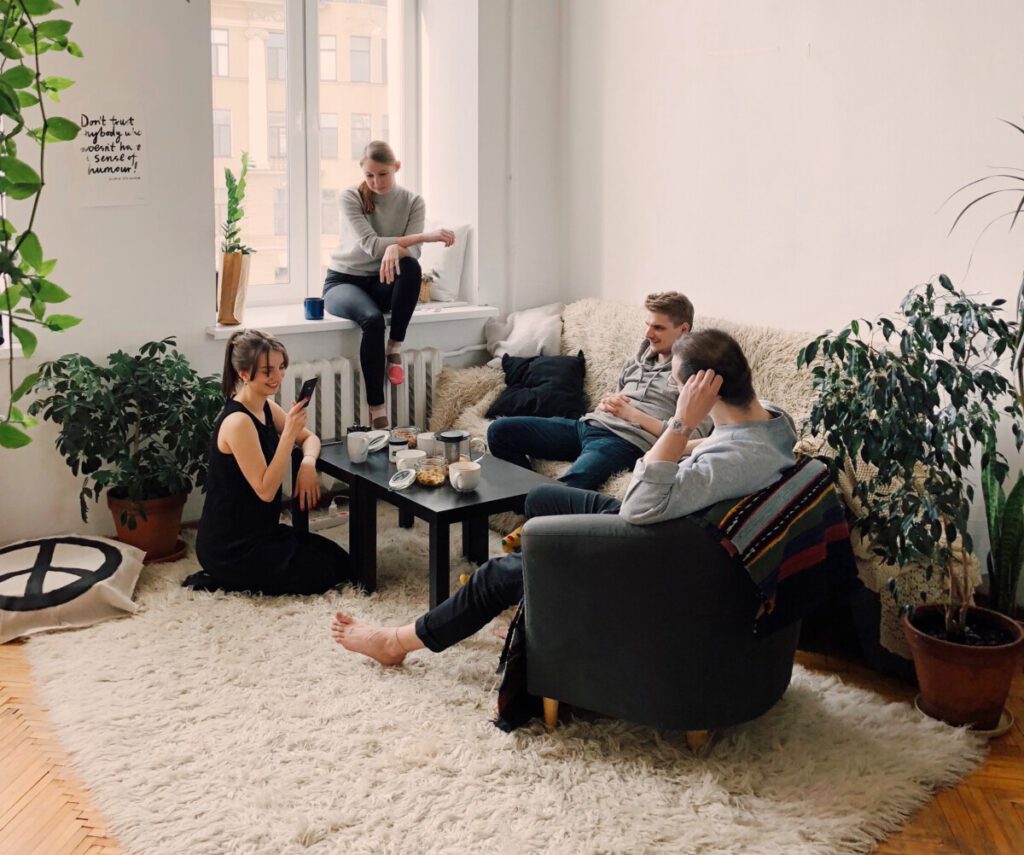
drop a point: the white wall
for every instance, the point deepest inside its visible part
(785, 161)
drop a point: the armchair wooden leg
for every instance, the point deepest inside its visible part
(550, 714)
(698, 740)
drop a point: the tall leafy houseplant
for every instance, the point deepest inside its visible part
(1005, 513)
(234, 277)
(28, 31)
(914, 397)
(138, 426)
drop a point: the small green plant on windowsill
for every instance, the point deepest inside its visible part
(232, 227)
(913, 397)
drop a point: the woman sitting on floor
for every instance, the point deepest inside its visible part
(242, 545)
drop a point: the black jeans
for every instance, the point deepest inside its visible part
(365, 299)
(497, 584)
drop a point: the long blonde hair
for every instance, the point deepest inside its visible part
(379, 152)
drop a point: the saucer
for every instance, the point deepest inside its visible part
(378, 439)
(1005, 722)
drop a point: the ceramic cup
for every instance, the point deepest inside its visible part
(314, 308)
(358, 445)
(464, 475)
(427, 442)
(408, 459)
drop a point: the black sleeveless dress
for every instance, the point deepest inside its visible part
(242, 544)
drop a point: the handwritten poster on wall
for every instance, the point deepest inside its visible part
(112, 154)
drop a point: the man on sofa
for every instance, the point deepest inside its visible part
(750, 448)
(625, 423)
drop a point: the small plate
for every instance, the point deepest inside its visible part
(378, 439)
(402, 479)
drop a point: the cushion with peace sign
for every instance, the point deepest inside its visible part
(65, 581)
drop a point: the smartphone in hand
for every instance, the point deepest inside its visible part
(306, 392)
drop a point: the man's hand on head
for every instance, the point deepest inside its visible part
(697, 396)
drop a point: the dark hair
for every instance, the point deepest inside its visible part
(243, 353)
(379, 152)
(673, 304)
(720, 352)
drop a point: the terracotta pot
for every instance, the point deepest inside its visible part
(158, 533)
(234, 280)
(960, 683)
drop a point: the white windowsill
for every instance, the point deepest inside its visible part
(290, 320)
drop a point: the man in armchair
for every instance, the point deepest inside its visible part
(749, 449)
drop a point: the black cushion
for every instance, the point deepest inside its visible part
(542, 386)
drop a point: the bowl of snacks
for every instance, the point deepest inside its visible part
(431, 471)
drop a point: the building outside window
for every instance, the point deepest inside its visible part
(222, 133)
(359, 59)
(329, 136)
(276, 56)
(330, 214)
(328, 58)
(284, 61)
(360, 134)
(277, 135)
(219, 44)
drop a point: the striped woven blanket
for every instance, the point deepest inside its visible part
(792, 539)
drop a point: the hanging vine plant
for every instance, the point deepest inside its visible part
(29, 30)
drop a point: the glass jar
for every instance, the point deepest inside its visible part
(394, 446)
(431, 471)
(407, 432)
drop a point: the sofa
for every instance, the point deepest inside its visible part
(609, 333)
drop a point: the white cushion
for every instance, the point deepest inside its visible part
(65, 581)
(528, 332)
(444, 263)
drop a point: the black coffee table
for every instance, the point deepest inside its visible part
(503, 487)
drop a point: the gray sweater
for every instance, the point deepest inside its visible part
(364, 237)
(735, 461)
(644, 380)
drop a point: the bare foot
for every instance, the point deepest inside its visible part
(378, 642)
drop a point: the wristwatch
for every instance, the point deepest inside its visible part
(676, 425)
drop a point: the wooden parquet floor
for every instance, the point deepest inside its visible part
(45, 811)
(43, 808)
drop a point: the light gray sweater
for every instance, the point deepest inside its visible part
(735, 461)
(364, 237)
(645, 381)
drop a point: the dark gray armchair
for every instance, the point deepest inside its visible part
(649, 624)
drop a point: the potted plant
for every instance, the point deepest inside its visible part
(914, 398)
(138, 427)
(234, 270)
(1005, 513)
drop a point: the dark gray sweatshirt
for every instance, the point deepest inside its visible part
(644, 381)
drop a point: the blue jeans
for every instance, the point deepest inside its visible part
(597, 452)
(497, 584)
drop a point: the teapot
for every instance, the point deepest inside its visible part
(458, 444)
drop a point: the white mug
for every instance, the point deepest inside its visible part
(427, 442)
(407, 459)
(358, 445)
(464, 475)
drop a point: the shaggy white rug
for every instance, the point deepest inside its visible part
(222, 724)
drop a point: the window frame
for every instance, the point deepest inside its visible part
(302, 123)
(218, 49)
(352, 62)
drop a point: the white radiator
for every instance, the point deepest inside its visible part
(340, 397)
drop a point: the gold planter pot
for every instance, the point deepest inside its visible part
(234, 279)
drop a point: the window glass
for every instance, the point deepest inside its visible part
(329, 136)
(359, 59)
(328, 58)
(219, 44)
(222, 133)
(284, 66)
